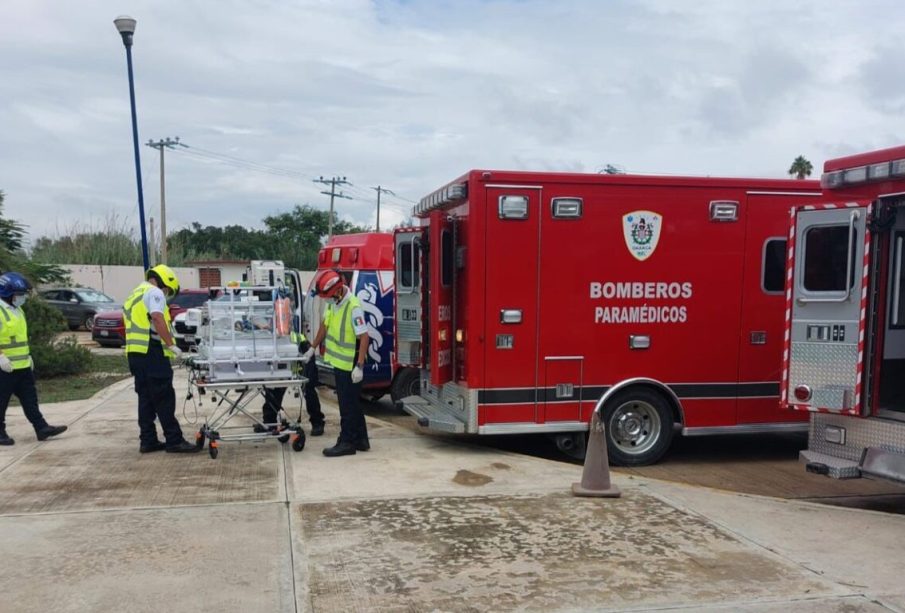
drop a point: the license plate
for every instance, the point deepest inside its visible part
(105, 332)
(189, 338)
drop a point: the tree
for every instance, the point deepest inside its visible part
(801, 168)
(297, 236)
(13, 257)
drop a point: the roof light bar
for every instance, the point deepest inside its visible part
(441, 197)
(881, 171)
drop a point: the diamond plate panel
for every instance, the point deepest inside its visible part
(860, 433)
(829, 369)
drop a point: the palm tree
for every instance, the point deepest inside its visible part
(801, 168)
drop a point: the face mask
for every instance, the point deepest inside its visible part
(19, 300)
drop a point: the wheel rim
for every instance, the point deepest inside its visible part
(89, 324)
(415, 387)
(635, 427)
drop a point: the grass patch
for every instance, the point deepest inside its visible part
(105, 370)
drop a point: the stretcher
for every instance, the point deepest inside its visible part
(244, 348)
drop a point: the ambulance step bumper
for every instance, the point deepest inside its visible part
(432, 416)
(883, 463)
(822, 464)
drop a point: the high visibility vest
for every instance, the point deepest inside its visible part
(341, 343)
(137, 321)
(14, 337)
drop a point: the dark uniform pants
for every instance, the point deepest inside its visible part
(273, 398)
(352, 426)
(21, 383)
(156, 396)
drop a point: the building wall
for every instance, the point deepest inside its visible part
(119, 281)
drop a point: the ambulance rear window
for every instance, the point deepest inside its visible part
(408, 266)
(826, 258)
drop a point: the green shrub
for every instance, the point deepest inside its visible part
(44, 321)
(62, 357)
(53, 358)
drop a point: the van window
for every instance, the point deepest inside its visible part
(826, 258)
(447, 262)
(773, 269)
(897, 297)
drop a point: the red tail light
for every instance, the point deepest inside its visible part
(802, 393)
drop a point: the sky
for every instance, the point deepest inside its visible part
(270, 95)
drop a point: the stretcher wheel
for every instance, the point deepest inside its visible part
(284, 438)
(199, 440)
(213, 450)
(298, 442)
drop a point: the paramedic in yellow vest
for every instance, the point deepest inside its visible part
(149, 347)
(345, 335)
(16, 373)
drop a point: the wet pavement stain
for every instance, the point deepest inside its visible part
(500, 466)
(466, 477)
(535, 553)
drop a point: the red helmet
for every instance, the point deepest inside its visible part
(329, 283)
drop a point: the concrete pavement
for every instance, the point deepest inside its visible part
(419, 523)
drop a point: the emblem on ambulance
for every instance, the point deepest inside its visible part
(641, 230)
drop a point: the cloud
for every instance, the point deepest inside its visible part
(411, 94)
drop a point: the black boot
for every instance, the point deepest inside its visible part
(341, 448)
(47, 431)
(317, 429)
(5, 439)
(152, 447)
(183, 447)
(363, 445)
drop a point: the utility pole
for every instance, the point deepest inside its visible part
(379, 189)
(168, 143)
(333, 194)
(153, 252)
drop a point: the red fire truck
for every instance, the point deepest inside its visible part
(844, 359)
(525, 298)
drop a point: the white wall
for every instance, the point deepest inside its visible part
(119, 281)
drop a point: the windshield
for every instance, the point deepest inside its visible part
(190, 301)
(93, 296)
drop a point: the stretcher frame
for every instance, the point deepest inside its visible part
(232, 395)
(215, 427)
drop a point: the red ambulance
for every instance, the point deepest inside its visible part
(366, 261)
(844, 359)
(525, 298)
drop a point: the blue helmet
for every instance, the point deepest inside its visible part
(12, 283)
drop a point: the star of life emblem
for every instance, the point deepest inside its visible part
(641, 230)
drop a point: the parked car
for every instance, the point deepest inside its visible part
(109, 329)
(79, 305)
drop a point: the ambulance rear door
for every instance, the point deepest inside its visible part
(827, 305)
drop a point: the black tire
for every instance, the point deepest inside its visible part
(213, 451)
(88, 323)
(284, 438)
(639, 427)
(406, 383)
(298, 441)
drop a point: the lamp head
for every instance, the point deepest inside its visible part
(126, 27)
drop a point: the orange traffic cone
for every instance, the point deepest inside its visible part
(595, 477)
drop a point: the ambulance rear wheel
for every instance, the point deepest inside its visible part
(407, 383)
(639, 427)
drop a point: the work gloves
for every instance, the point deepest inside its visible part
(306, 357)
(5, 364)
(357, 375)
(176, 351)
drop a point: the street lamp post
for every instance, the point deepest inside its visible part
(126, 27)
